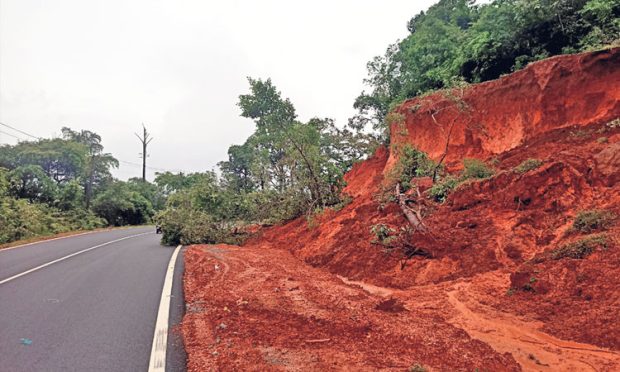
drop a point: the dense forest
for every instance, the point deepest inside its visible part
(288, 168)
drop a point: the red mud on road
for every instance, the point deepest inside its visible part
(318, 295)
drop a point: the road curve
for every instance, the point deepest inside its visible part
(93, 311)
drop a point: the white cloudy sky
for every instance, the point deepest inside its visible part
(180, 65)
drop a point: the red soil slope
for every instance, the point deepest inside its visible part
(318, 295)
(500, 115)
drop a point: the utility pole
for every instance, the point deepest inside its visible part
(145, 139)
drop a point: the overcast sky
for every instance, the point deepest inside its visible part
(179, 67)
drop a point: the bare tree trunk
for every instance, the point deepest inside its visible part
(445, 151)
(316, 189)
(414, 217)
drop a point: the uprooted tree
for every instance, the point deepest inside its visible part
(413, 164)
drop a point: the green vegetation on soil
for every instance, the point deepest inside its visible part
(459, 41)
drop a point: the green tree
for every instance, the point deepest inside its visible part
(70, 196)
(149, 191)
(60, 159)
(97, 164)
(170, 183)
(293, 149)
(30, 182)
(120, 205)
(237, 170)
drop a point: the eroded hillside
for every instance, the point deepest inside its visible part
(505, 282)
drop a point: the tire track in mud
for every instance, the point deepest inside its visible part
(533, 349)
(263, 309)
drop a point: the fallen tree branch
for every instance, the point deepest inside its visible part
(414, 217)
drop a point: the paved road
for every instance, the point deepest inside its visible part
(95, 311)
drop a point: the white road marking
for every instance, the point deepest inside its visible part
(160, 337)
(68, 256)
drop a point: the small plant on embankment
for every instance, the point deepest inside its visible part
(473, 169)
(476, 169)
(417, 368)
(412, 163)
(528, 165)
(588, 221)
(581, 248)
(440, 190)
(383, 234)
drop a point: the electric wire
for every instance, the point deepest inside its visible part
(120, 160)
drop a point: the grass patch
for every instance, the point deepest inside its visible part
(476, 168)
(581, 248)
(473, 169)
(588, 221)
(528, 165)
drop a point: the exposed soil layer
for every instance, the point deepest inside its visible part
(491, 118)
(496, 288)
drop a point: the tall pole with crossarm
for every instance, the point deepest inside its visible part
(145, 139)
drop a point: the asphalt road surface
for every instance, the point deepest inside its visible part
(93, 311)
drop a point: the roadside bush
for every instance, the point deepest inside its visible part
(21, 219)
(199, 228)
(171, 222)
(82, 219)
(588, 221)
(70, 196)
(475, 168)
(271, 206)
(187, 226)
(119, 205)
(528, 165)
(581, 248)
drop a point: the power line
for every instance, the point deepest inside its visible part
(9, 134)
(122, 161)
(20, 131)
(148, 167)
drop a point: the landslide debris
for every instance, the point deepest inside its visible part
(512, 277)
